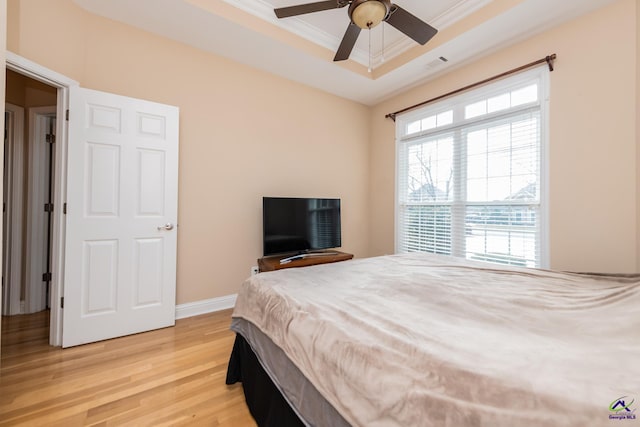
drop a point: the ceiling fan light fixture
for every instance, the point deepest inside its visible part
(366, 14)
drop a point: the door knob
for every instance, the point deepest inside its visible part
(167, 226)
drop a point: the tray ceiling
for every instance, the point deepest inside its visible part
(301, 48)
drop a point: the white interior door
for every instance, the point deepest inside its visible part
(121, 221)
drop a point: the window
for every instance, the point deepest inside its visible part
(470, 174)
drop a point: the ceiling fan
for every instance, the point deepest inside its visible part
(365, 14)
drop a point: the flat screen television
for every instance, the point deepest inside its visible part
(299, 225)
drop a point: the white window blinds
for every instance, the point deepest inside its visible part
(470, 179)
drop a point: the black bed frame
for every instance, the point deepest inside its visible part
(266, 404)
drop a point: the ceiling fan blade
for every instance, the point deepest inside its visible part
(301, 9)
(412, 26)
(347, 43)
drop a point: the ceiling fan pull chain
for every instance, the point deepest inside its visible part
(369, 26)
(382, 56)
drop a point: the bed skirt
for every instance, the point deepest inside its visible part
(266, 404)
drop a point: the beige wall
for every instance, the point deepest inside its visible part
(243, 134)
(592, 153)
(26, 92)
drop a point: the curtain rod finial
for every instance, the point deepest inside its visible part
(550, 59)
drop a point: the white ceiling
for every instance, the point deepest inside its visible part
(247, 31)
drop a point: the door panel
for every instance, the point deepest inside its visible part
(102, 191)
(148, 272)
(150, 183)
(120, 268)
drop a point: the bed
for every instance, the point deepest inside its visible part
(430, 340)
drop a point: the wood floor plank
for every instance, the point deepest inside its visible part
(173, 376)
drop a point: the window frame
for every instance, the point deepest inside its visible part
(457, 103)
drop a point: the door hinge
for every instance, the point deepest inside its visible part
(62, 302)
(48, 207)
(66, 115)
(46, 277)
(50, 138)
(64, 208)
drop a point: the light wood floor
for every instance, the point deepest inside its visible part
(173, 376)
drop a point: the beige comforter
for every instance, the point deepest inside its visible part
(425, 340)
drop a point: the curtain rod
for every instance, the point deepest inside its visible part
(548, 59)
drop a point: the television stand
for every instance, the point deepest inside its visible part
(305, 255)
(305, 259)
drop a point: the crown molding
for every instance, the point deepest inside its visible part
(264, 10)
(458, 11)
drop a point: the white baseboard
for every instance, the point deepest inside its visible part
(205, 306)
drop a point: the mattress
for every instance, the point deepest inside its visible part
(428, 340)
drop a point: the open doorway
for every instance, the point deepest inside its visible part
(29, 146)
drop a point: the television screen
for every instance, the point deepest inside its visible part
(300, 224)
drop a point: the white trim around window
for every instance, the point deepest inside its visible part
(471, 174)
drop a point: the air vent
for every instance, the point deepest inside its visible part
(436, 63)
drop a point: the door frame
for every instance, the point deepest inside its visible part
(14, 213)
(36, 233)
(62, 83)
